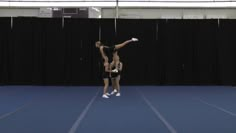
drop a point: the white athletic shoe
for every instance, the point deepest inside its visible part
(113, 92)
(118, 94)
(134, 39)
(104, 96)
(108, 94)
(115, 71)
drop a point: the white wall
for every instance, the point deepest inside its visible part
(39, 12)
(94, 12)
(25, 12)
(4, 12)
(45, 12)
(129, 13)
(170, 13)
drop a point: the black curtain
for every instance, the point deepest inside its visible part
(172, 46)
(5, 26)
(21, 51)
(82, 58)
(226, 51)
(139, 58)
(55, 51)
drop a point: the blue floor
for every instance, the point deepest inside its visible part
(140, 109)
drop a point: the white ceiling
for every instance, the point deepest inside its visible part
(121, 3)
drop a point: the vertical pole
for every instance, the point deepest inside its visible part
(117, 15)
